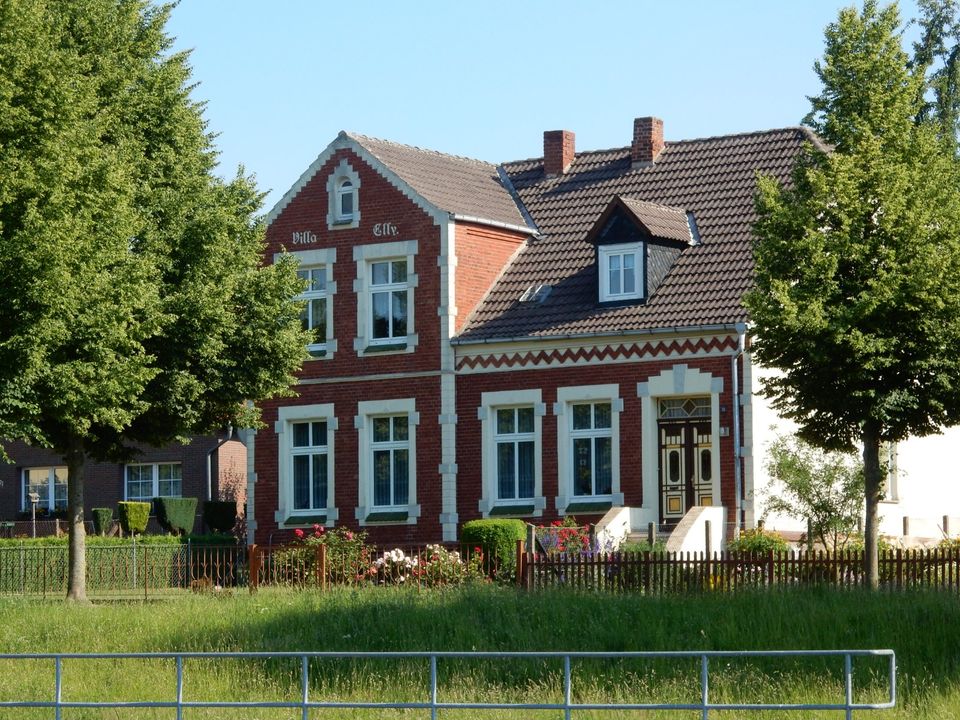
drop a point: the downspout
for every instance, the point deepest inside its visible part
(216, 447)
(737, 450)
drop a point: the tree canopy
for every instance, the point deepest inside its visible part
(857, 297)
(134, 306)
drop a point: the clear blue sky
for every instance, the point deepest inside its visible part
(485, 79)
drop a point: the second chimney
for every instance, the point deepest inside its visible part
(647, 141)
(559, 147)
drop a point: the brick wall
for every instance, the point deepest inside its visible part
(482, 255)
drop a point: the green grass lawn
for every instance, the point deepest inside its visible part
(923, 629)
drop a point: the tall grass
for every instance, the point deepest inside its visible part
(923, 629)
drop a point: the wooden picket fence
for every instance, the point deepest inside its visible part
(663, 572)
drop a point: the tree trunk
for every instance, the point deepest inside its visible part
(77, 565)
(873, 487)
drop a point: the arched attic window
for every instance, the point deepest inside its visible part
(343, 191)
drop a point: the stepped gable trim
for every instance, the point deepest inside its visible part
(621, 352)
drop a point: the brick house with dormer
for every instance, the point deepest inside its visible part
(560, 335)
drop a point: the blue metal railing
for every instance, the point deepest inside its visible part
(705, 705)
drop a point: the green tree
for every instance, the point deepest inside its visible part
(857, 296)
(824, 487)
(133, 304)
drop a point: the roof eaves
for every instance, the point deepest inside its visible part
(678, 330)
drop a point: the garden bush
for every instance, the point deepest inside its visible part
(220, 515)
(758, 541)
(498, 540)
(133, 516)
(176, 515)
(102, 518)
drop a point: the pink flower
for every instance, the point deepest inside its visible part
(299, 533)
(348, 535)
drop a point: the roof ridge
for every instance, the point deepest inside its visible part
(633, 198)
(812, 136)
(427, 151)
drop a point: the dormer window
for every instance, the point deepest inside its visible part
(343, 192)
(621, 272)
(637, 242)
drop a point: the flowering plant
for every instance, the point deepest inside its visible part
(565, 536)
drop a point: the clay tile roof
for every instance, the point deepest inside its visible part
(661, 221)
(713, 178)
(458, 185)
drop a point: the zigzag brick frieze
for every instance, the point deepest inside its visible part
(588, 355)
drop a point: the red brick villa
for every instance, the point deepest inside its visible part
(561, 335)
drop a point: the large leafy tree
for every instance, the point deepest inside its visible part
(857, 298)
(133, 305)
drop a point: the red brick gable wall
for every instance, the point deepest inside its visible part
(379, 203)
(482, 254)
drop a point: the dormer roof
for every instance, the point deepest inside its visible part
(658, 221)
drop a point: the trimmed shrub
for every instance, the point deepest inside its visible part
(102, 518)
(133, 516)
(176, 515)
(498, 539)
(220, 515)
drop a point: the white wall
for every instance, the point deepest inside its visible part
(928, 473)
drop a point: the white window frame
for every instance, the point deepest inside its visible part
(365, 256)
(287, 417)
(52, 473)
(312, 259)
(389, 288)
(604, 253)
(363, 423)
(336, 219)
(567, 397)
(155, 477)
(487, 414)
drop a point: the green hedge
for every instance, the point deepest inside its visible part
(134, 516)
(176, 515)
(102, 518)
(497, 537)
(98, 541)
(220, 515)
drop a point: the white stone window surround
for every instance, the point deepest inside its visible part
(675, 382)
(327, 258)
(364, 256)
(487, 414)
(155, 479)
(566, 397)
(286, 417)
(342, 173)
(604, 254)
(366, 410)
(53, 478)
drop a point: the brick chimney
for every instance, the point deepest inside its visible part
(647, 141)
(558, 150)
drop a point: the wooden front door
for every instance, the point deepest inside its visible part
(686, 476)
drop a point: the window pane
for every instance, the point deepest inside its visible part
(582, 467)
(614, 275)
(381, 429)
(525, 419)
(705, 467)
(169, 476)
(319, 480)
(301, 482)
(401, 430)
(525, 469)
(318, 279)
(381, 315)
(399, 271)
(629, 275)
(60, 496)
(346, 201)
(301, 434)
(581, 417)
(319, 434)
(381, 273)
(505, 421)
(305, 318)
(603, 466)
(399, 313)
(401, 474)
(601, 415)
(318, 319)
(505, 471)
(381, 477)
